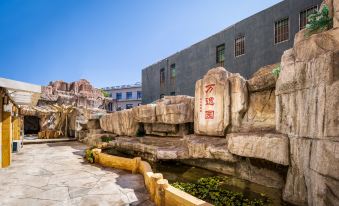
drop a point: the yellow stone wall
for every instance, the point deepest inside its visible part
(160, 191)
(1, 108)
(6, 142)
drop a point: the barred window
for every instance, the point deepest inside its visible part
(221, 54)
(173, 74)
(162, 77)
(281, 30)
(239, 46)
(304, 14)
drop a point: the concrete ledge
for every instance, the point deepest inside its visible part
(162, 193)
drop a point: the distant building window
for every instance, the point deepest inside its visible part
(304, 14)
(221, 54)
(162, 77)
(173, 74)
(129, 106)
(118, 96)
(162, 96)
(172, 93)
(139, 94)
(128, 95)
(281, 30)
(239, 46)
(110, 107)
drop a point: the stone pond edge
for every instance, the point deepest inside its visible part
(161, 192)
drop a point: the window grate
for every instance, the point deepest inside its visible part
(173, 74)
(162, 77)
(239, 48)
(281, 30)
(220, 58)
(304, 14)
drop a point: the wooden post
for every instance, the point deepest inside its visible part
(161, 186)
(153, 183)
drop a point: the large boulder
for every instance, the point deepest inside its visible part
(260, 115)
(120, 123)
(146, 113)
(270, 147)
(221, 101)
(175, 109)
(262, 79)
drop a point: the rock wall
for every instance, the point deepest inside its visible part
(307, 105)
(78, 93)
(260, 116)
(169, 116)
(120, 123)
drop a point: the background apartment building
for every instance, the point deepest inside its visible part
(126, 96)
(244, 47)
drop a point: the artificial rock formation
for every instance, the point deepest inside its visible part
(169, 116)
(78, 93)
(260, 116)
(270, 147)
(221, 101)
(120, 123)
(333, 6)
(307, 105)
(64, 108)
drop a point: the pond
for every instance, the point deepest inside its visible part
(175, 171)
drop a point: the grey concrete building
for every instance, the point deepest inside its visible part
(242, 48)
(126, 96)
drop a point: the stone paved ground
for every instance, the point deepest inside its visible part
(56, 174)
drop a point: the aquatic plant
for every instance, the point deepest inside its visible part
(210, 189)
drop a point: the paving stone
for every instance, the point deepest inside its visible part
(55, 174)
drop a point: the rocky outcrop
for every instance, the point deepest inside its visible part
(207, 147)
(169, 116)
(304, 86)
(78, 93)
(221, 101)
(262, 79)
(120, 123)
(260, 116)
(175, 109)
(307, 102)
(270, 147)
(333, 6)
(146, 113)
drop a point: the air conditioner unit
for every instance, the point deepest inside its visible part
(17, 145)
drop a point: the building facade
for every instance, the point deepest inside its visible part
(242, 48)
(126, 96)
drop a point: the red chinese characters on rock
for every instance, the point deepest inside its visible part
(209, 88)
(209, 101)
(209, 114)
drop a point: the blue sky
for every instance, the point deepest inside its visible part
(107, 42)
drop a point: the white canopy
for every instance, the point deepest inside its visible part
(22, 93)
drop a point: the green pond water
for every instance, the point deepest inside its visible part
(175, 171)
